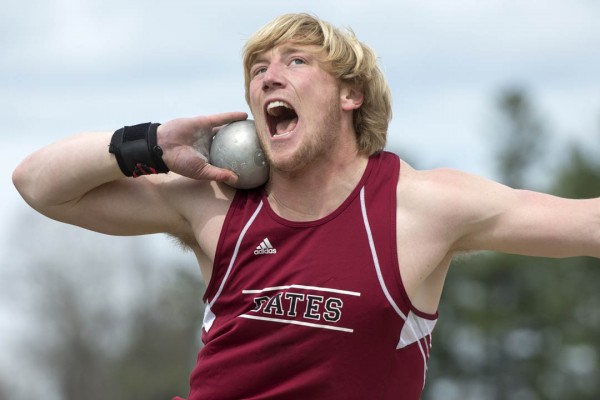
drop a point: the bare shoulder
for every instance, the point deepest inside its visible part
(449, 203)
(423, 196)
(436, 187)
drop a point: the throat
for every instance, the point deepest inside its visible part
(298, 210)
(304, 196)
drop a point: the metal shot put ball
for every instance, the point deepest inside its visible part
(236, 147)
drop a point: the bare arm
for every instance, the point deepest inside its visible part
(443, 212)
(486, 215)
(79, 182)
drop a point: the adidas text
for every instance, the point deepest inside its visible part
(265, 251)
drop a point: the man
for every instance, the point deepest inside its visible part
(325, 282)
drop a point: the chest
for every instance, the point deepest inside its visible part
(328, 275)
(335, 255)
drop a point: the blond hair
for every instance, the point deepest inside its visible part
(350, 62)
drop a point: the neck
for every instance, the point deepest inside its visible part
(317, 190)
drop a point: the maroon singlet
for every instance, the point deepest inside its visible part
(313, 310)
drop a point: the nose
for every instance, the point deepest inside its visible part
(273, 77)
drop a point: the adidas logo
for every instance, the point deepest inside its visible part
(265, 247)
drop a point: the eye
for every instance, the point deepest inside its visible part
(259, 70)
(297, 61)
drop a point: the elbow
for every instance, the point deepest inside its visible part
(27, 183)
(21, 178)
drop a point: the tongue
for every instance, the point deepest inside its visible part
(286, 125)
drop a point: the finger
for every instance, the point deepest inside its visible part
(225, 118)
(219, 174)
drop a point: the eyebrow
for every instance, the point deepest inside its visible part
(286, 50)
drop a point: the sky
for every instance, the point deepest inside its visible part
(68, 66)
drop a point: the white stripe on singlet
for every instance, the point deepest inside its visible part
(235, 252)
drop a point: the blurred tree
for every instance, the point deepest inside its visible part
(520, 137)
(70, 351)
(109, 319)
(514, 327)
(163, 343)
(580, 176)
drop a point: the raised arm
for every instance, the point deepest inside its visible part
(78, 181)
(489, 216)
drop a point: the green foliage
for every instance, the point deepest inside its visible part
(514, 324)
(157, 363)
(580, 177)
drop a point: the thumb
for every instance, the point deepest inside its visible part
(213, 173)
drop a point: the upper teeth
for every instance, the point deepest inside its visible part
(274, 104)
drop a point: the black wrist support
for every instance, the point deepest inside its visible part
(137, 151)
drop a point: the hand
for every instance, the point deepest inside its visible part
(186, 145)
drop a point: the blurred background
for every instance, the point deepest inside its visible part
(509, 90)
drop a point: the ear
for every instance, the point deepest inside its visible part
(351, 97)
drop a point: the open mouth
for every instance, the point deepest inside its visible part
(281, 118)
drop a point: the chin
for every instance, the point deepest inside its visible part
(284, 164)
(294, 162)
